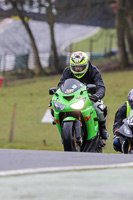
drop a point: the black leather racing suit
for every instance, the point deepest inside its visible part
(119, 116)
(92, 76)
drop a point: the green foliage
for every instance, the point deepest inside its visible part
(32, 98)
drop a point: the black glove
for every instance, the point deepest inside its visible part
(94, 97)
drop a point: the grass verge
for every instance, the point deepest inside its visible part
(102, 41)
(32, 99)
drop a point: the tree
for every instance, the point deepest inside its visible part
(49, 13)
(53, 9)
(19, 10)
(129, 27)
(121, 33)
(49, 5)
(70, 11)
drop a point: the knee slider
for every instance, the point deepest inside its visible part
(103, 109)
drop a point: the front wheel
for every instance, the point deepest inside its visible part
(124, 146)
(68, 136)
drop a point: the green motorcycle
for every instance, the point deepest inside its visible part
(75, 117)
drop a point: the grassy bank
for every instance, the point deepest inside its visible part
(32, 99)
(102, 41)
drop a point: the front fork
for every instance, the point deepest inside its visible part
(77, 130)
(79, 139)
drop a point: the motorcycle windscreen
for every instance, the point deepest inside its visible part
(71, 85)
(125, 131)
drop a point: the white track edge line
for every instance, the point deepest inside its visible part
(62, 169)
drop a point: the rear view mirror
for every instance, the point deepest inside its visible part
(91, 88)
(52, 91)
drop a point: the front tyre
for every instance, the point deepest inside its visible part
(124, 146)
(68, 136)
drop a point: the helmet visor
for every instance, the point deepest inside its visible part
(78, 68)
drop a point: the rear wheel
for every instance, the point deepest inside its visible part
(95, 145)
(68, 136)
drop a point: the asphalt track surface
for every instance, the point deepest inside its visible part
(50, 175)
(65, 34)
(26, 159)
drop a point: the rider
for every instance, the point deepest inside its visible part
(126, 110)
(82, 69)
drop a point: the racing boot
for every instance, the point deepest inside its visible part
(103, 132)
